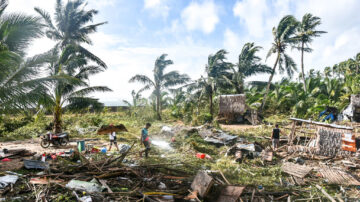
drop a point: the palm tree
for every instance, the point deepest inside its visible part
(283, 37)
(20, 85)
(72, 92)
(161, 80)
(216, 70)
(72, 27)
(136, 98)
(248, 65)
(355, 63)
(306, 31)
(71, 30)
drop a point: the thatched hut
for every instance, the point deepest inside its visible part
(233, 109)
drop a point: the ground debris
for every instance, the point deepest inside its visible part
(335, 176)
(295, 169)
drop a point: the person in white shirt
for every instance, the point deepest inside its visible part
(112, 137)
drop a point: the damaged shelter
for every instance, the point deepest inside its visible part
(317, 138)
(233, 109)
(352, 112)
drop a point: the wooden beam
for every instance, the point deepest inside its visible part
(322, 124)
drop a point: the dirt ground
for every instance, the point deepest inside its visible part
(33, 145)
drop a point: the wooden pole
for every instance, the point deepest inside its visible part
(292, 133)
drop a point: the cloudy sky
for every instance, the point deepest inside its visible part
(138, 31)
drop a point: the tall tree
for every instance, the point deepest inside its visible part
(248, 65)
(283, 37)
(73, 90)
(71, 30)
(20, 85)
(161, 80)
(72, 27)
(216, 70)
(306, 32)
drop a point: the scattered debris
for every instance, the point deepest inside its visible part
(335, 176)
(33, 164)
(230, 194)
(7, 179)
(91, 187)
(202, 183)
(295, 169)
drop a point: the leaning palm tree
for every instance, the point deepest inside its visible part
(306, 31)
(283, 37)
(72, 27)
(161, 80)
(248, 65)
(216, 70)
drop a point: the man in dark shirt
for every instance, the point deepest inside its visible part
(145, 140)
(276, 136)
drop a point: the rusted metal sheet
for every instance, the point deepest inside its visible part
(202, 183)
(295, 169)
(230, 193)
(335, 176)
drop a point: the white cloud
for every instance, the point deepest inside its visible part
(201, 16)
(157, 8)
(251, 13)
(231, 40)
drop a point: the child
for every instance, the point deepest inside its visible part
(276, 136)
(145, 140)
(112, 137)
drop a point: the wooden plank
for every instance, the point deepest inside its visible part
(202, 183)
(103, 182)
(296, 169)
(292, 133)
(230, 194)
(338, 177)
(322, 124)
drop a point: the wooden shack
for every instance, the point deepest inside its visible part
(317, 138)
(355, 102)
(233, 109)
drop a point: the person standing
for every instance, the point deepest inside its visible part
(145, 140)
(275, 137)
(112, 137)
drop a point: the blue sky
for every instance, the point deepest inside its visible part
(138, 31)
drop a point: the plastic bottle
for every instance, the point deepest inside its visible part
(43, 157)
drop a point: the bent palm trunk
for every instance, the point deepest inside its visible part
(269, 83)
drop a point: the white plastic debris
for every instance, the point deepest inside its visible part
(85, 199)
(7, 179)
(162, 186)
(166, 130)
(90, 187)
(124, 148)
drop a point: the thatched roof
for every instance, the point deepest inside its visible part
(105, 129)
(355, 100)
(232, 104)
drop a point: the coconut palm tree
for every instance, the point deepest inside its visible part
(283, 37)
(306, 31)
(161, 80)
(72, 92)
(248, 65)
(72, 27)
(20, 85)
(71, 30)
(136, 98)
(216, 70)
